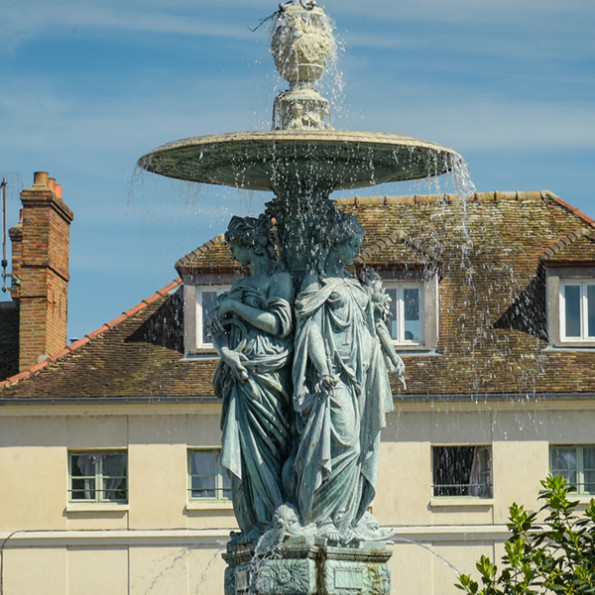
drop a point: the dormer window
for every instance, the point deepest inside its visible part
(206, 299)
(414, 308)
(571, 306)
(411, 276)
(407, 312)
(577, 310)
(200, 297)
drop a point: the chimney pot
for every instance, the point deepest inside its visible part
(51, 183)
(58, 190)
(40, 178)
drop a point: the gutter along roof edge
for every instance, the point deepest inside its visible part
(168, 400)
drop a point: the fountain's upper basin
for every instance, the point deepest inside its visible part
(269, 160)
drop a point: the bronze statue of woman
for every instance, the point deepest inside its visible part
(341, 391)
(253, 336)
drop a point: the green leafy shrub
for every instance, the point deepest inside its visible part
(556, 556)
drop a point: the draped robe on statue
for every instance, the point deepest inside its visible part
(336, 464)
(255, 414)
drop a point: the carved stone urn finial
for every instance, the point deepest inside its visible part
(302, 45)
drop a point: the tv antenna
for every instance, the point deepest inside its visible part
(5, 275)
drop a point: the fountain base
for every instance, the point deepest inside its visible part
(301, 568)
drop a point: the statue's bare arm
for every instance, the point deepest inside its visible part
(281, 287)
(394, 363)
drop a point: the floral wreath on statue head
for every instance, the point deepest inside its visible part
(344, 226)
(255, 233)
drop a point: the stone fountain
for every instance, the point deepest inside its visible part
(305, 352)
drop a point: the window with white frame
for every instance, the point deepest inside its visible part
(207, 478)
(98, 476)
(462, 471)
(577, 310)
(407, 324)
(570, 306)
(206, 300)
(576, 463)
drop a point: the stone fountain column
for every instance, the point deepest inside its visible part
(302, 45)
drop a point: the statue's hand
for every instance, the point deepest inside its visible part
(225, 305)
(396, 367)
(326, 383)
(214, 326)
(236, 361)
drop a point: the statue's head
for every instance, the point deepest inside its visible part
(344, 228)
(253, 233)
(344, 237)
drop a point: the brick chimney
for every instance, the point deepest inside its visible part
(40, 250)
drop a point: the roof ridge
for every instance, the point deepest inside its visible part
(546, 194)
(412, 199)
(89, 336)
(200, 250)
(568, 239)
(383, 200)
(397, 236)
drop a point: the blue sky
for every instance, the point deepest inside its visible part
(87, 87)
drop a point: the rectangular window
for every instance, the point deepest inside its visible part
(576, 463)
(406, 308)
(577, 310)
(206, 300)
(462, 471)
(207, 478)
(98, 476)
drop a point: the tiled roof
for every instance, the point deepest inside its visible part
(138, 354)
(211, 256)
(492, 336)
(556, 199)
(397, 248)
(576, 246)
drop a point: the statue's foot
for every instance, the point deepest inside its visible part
(252, 536)
(330, 533)
(352, 537)
(234, 537)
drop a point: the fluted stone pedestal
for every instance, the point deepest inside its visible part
(302, 569)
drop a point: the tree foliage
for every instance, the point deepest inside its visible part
(553, 556)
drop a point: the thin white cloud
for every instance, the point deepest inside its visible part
(36, 113)
(473, 123)
(538, 18)
(465, 11)
(26, 20)
(533, 45)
